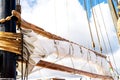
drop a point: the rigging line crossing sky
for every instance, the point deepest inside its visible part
(106, 33)
(31, 7)
(94, 3)
(93, 43)
(34, 2)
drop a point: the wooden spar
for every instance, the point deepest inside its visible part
(58, 67)
(44, 33)
(54, 66)
(113, 12)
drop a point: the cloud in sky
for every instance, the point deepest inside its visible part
(104, 20)
(31, 3)
(64, 18)
(116, 58)
(67, 18)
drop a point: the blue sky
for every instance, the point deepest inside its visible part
(93, 3)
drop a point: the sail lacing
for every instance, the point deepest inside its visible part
(63, 45)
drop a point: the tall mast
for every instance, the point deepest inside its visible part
(8, 66)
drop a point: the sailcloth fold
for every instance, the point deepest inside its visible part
(42, 45)
(62, 52)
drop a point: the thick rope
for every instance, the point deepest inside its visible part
(6, 19)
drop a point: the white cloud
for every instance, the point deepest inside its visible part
(67, 18)
(110, 30)
(62, 17)
(115, 57)
(108, 23)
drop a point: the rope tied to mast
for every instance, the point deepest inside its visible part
(3, 20)
(18, 6)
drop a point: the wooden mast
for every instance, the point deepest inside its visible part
(8, 67)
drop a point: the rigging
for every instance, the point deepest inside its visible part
(93, 43)
(100, 31)
(108, 37)
(100, 47)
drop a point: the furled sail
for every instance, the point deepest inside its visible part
(41, 47)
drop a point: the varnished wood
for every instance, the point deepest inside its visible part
(44, 33)
(54, 66)
(58, 67)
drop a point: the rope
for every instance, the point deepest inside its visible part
(88, 58)
(72, 63)
(100, 31)
(93, 44)
(56, 47)
(100, 47)
(17, 1)
(58, 59)
(6, 19)
(25, 76)
(108, 38)
(112, 10)
(2, 21)
(71, 51)
(18, 6)
(104, 23)
(49, 35)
